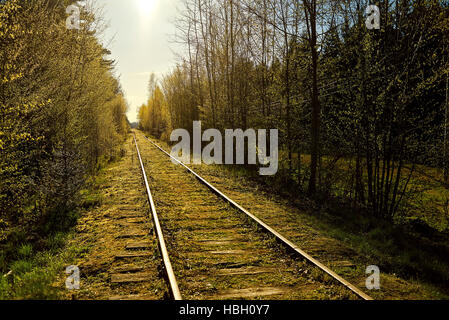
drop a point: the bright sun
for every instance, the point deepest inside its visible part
(146, 6)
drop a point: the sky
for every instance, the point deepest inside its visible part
(141, 33)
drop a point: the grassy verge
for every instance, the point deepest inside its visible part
(31, 264)
(33, 274)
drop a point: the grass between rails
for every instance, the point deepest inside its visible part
(413, 265)
(32, 265)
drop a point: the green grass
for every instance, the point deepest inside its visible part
(29, 269)
(32, 275)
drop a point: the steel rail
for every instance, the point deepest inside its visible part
(161, 242)
(269, 229)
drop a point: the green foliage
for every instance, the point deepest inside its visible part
(25, 251)
(21, 267)
(61, 113)
(384, 116)
(62, 118)
(56, 241)
(153, 116)
(381, 92)
(29, 281)
(30, 273)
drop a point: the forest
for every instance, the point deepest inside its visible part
(362, 113)
(62, 117)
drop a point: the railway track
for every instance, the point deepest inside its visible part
(212, 248)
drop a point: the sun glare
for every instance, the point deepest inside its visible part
(146, 6)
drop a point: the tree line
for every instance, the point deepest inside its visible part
(357, 108)
(62, 113)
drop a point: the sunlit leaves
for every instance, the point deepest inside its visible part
(61, 111)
